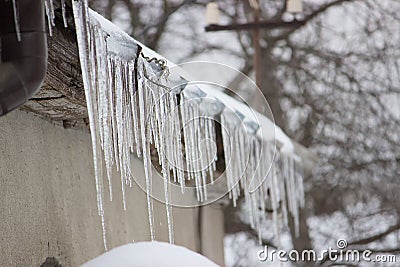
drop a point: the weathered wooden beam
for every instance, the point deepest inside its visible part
(62, 94)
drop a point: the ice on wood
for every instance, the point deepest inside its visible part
(133, 109)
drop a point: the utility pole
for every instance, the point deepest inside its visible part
(256, 44)
(255, 26)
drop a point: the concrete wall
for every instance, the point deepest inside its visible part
(212, 232)
(48, 199)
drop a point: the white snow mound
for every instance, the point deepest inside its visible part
(150, 254)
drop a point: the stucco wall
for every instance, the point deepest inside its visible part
(212, 232)
(48, 199)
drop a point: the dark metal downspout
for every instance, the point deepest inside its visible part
(23, 64)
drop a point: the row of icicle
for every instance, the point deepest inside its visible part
(131, 111)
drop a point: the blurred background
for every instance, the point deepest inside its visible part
(333, 84)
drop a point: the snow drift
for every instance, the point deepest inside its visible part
(150, 254)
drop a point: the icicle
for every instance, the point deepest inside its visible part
(299, 184)
(134, 111)
(252, 172)
(194, 129)
(184, 111)
(50, 15)
(16, 20)
(282, 199)
(159, 114)
(209, 128)
(161, 107)
(166, 170)
(202, 142)
(136, 126)
(167, 205)
(111, 99)
(83, 32)
(274, 189)
(120, 127)
(103, 108)
(146, 153)
(227, 153)
(262, 182)
(64, 13)
(177, 149)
